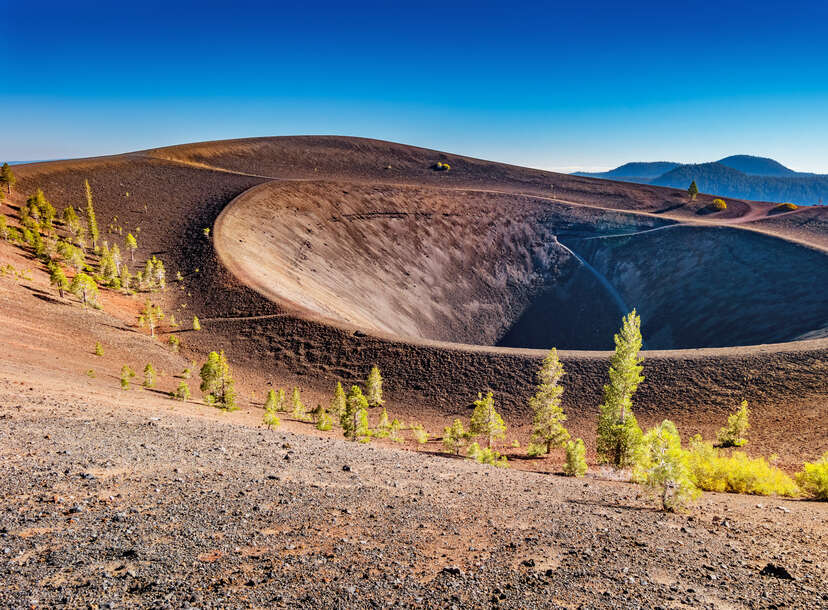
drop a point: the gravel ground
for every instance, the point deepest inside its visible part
(119, 502)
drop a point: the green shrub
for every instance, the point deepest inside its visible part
(576, 465)
(814, 478)
(733, 434)
(182, 392)
(719, 205)
(486, 455)
(713, 470)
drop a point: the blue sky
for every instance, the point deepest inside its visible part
(557, 86)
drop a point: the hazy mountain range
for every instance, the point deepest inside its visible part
(739, 176)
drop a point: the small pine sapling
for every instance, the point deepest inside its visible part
(394, 431)
(619, 436)
(485, 421)
(383, 427)
(337, 407)
(299, 411)
(323, 420)
(575, 465)
(373, 388)
(663, 465)
(126, 375)
(419, 433)
(548, 430)
(175, 343)
(217, 382)
(149, 376)
(734, 433)
(454, 437)
(99, 350)
(354, 418)
(57, 278)
(270, 401)
(196, 323)
(182, 392)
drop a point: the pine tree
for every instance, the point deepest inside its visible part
(196, 323)
(373, 388)
(485, 421)
(115, 253)
(323, 420)
(217, 381)
(132, 245)
(383, 427)
(270, 419)
(151, 316)
(734, 433)
(57, 278)
(693, 190)
(91, 222)
(149, 376)
(454, 437)
(548, 431)
(126, 374)
(4, 226)
(419, 433)
(576, 465)
(299, 411)
(72, 223)
(99, 350)
(270, 402)
(7, 177)
(619, 436)
(182, 392)
(663, 465)
(85, 288)
(354, 418)
(394, 432)
(125, 277)
(106, 266)
(73, 256)
(338, 401)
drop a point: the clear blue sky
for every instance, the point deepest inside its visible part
(558, 86)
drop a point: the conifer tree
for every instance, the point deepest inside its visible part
(132, 245)
(383, 427)
(196, 323)
(58, 279)
(99, 350)
(548, 431)
(485, 421)
(338, 402)
(270, 402)
(734, 433)
(85, 288)
(394, 432)
(354, 418)
(454, 437)
(373, 388)
(7, 177)
(73, 255)
(281, 401)
(72, 223)
(419, 433)
(106, 266)
(115, 253)
(619, 436)
(576, 465)
(151, 315)
(323, 420)
(91, 222)
(125, 277)
(663, 465)
(182, 392)
(217, 381)
(299, 411)
(4, 226)
(693, 190)
(149, 376)
(126, 374)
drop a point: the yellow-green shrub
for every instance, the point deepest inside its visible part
(713, 470)
(719, 204)
(814, 478)
(785, 207)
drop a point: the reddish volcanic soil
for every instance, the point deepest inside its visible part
(327, 255)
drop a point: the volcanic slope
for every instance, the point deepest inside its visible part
(329, 254)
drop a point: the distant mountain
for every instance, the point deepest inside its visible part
(756, 166)
(738, 176)
(637, 171)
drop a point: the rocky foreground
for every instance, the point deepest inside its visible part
(117, 503)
